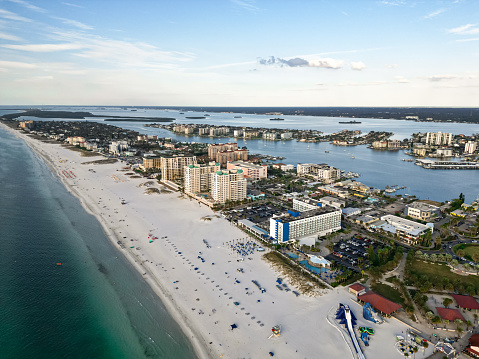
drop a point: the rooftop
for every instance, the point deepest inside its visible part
(450, 314)
(379, 302)
(466, 301)
(423, 206)
(286, 218)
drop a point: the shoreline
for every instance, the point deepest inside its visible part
(200, 283)
(200, 349)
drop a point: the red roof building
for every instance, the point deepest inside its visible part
(450, 314)
(379, 303)
(466, 301)
(473, 348)
(357, 289)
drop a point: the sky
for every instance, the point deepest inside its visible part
(240, 52)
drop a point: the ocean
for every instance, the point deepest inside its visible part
(95, 304)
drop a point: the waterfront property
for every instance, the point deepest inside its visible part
(173, 167)
(407, 230)
(255, 172)
(448, 165)
(198, 177)
(228, 185)
(294, 225)
(421, 210)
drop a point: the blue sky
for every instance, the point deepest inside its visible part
(240, 52)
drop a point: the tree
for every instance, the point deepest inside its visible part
(475, 257)
(446, 302)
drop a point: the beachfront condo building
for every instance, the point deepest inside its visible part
(198, 177)
(294, 225)
(255, 172)
(173, 167)
(438, 138)
(151, 162)
(228, 185)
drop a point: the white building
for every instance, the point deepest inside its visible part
(421, 210)
(333, 202)
(228, 185)
(116, 147)
(318, 171)
(294, 225)
(287, 167)
(198, 177)
(286, 136)
(408, 230)
(444, 152)
(438, 138)
(470, 147)
(270, 136)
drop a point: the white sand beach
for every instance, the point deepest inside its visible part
(200, 292)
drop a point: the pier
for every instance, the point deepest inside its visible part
(448, 165)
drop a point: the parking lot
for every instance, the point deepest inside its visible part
(352, 252)
(256, 213)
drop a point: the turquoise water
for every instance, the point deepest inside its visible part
(313, 269)
(95, 305)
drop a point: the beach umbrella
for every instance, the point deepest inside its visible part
(233, 326)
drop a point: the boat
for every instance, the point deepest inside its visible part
(353, 157)
(350, 122)
(237, 116)
(276, 119)
(182, 113)
(326, 151)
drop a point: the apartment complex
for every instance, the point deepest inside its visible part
(293, 225)
(470, 147)
(408, 231)
(198, 177)
(173, 167)
(438, 138)
(214, 148)
(116, 147)
(250, 170)
(228, 156)
(228, 185)
(151, 162)
(421, 210)
(318, 171)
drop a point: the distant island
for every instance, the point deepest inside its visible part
(81, 116)
(195, 117)
(351, 122)
(276, 119)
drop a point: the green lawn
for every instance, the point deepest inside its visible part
(419, 267)
(470, 249)
(388, 292)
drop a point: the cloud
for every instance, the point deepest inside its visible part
(12, 16)
(43, 47)
(437, 78)
(434, 14)
(469, 29)
(393, 2)
(28, 5)
(402, 79)
(17, 65)
(466, 40)
(358, 65)
(328, 63)
(248, 5)
(392, 66)
(75, 23)
(5, 36)
(70, 4)
(123, 53)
